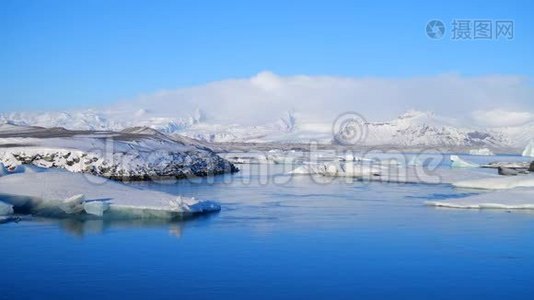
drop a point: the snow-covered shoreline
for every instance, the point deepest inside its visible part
(138, 154)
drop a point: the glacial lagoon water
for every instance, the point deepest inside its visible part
(292, 239)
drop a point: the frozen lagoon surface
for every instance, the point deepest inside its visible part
(291, 239)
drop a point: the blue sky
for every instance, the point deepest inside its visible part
(63, 54)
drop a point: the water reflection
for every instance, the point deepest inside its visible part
(80, 227)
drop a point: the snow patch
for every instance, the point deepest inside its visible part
(481, 151)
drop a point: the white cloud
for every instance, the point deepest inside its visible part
(266, 96)
(502, 118)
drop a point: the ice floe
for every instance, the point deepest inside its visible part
(64, 194)
(519, 198)
(497, 183)
(339, 169)
(393, 173)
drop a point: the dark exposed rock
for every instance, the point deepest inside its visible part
(507, 171)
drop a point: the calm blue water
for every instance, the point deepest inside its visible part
(298, 239)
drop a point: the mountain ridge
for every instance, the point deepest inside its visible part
(413, 128)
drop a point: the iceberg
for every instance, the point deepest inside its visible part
(457, 162)
(394, 174)
(96, 208)
(481, 151)
(65, 194)
(353, 158)
(338, 169)
(529, 149)
(519, 198)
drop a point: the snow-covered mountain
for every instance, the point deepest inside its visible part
(410, 129)
(426, 129)
(489, 111)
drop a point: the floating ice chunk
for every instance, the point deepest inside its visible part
(337, 169)
(324, 169)
(6, 209)
(497, 183)
(481, 151)
(529, 149)
(73, 205)
(331, 169)
(350, 157)
(95, 208)
(280, 159)
(39, 194)
(193, 206)
(302, 170)
(520, 198)
(457, 162)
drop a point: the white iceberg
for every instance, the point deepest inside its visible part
(353, 158)
(481, 151)
(457, 162)
(497, 183)
(409, 174)
(519, 198)
(96, 208)
(60, 194)
(339, 169)
(529, 149)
